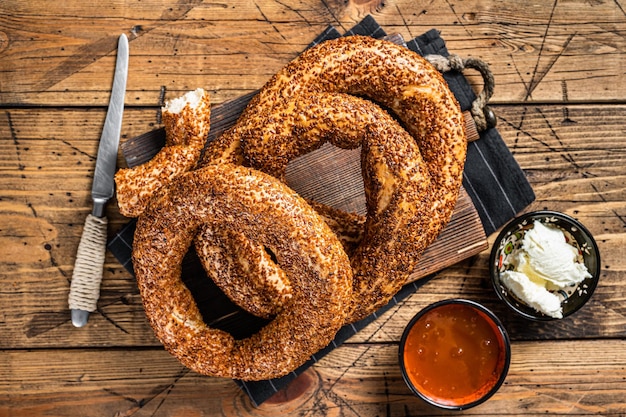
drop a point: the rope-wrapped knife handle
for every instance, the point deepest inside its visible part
(87, 275)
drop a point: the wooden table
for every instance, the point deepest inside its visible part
(560, 102)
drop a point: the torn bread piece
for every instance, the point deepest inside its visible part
(187, 123)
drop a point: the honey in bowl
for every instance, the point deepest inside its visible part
(454, 354)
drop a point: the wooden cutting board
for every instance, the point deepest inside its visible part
(333, 176)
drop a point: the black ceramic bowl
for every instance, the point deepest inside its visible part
(454, 354)
(510, 238)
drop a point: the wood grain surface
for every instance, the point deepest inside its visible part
(560, 100)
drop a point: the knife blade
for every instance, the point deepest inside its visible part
(87, 274)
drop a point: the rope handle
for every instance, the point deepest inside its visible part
(482, 114)
(87, 274)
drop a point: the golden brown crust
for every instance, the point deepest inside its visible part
(411, 180)
(411, 185)
(245, 271)
(265, 211)
(186, 128)
(347, 226)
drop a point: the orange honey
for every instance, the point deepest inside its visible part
(455, 354)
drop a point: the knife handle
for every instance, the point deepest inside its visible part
(87, 275)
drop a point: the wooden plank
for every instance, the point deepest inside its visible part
(531, 48)
(46, 164)
(356, 379)
(120, 320)
(538, 135)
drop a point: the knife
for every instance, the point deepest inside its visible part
(87, 275)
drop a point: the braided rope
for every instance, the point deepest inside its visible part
(87, 275)
(483, 115)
